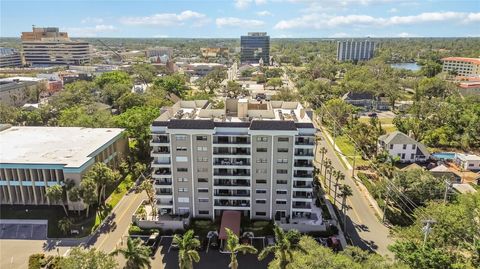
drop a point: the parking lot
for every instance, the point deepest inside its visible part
(31, 230)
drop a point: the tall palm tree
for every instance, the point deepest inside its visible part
(332, 172)
(339, 176)
(328, 164)
(345, 191)
(187, 249)
(323, 151)
(136, 254)
(55, 194)
(233, 246)
(285, 244)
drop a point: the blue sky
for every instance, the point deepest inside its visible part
(232, 18)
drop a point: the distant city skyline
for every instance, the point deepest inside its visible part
(232, 18)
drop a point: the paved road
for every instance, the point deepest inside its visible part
(363, 226)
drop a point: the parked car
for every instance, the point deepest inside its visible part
(153, 242)
(372, 114)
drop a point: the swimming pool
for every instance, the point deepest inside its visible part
(444, 155)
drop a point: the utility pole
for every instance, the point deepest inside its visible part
(385, 206)
(427, 229)
(447, 189)
(353, 164)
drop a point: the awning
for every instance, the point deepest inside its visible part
(230, 220)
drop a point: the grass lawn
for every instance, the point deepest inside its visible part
(55, 213)
(347, 148)
(387, 123)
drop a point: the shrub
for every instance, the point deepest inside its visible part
(135, 230)
(35, 261)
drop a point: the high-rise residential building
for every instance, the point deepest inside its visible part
(253, 157)
(466, 67)
(10, 58)
(49, 46)
(253, 47)
(34, 158)
(353, 50)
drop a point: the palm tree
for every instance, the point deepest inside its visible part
(332, 172)
(65, 225)
(136, 254)
(187, 249)
(233, 246)
(323, 151)
(328, 164)
(345, 191)
(147, 186)
(55, 194)
(285, 244)
(339, 176)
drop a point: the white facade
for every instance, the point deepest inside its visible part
(400, 145)
(468, 162)
(467, 67)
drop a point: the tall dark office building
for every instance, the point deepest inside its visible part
(355, 50)
(255, 46)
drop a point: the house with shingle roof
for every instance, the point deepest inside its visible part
(406, 148)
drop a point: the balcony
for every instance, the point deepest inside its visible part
(232, 183)
(164, 202)
(232, 203)
(160, 150)
(231, 140)
(303, 174)
(163, 192)
(231, 172)
(300, 141)
(231, 151)
(301, 205)
(163, 171)
(302, 195)
(302, 185)
(303, 163)
(304, 152)
(238, 193)
(163, 182)
(160, 139)
(231, 162)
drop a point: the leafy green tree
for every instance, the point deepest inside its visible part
(75, 94)
(234, 89)
(187, 249)
(285, 244)
(145, 72)
(147, 187)
(273, 72)
(88, 193)
(286, 95)
(103, 176)
(275, 82)
(434, 87)
(175, 84)
(111, 92)
(136, 254)
(316, 92)
(85, 116)
(74, 195)
(337, 110)
(233, 246)
(113, 77)
(431, 69)
(79, 258)
(55, 195)
(129, 100)
(137, 121)
(65, 225)
(212, 80)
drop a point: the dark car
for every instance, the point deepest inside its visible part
(152, 242)
(372, 114)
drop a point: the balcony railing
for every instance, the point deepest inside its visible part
(305, 175)
(303, 153)
(231, 152)
(240, 194)
(163, 192)
(160, 202)
(232, 162)
(163, 182)
(302, 186)
(302, 206)
(223, 173)
(161, 151)
(230, 140)
(303, 164)
(228, 203)
(165, 171)
(304, 142)
(227, 183)
(305, 195)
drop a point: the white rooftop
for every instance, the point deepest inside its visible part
(69, 146)
(468, 157)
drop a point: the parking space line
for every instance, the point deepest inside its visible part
(31, 233)
(16, 233)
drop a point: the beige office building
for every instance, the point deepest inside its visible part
(253, 157)
(466, 67)
(33, 158)
(49, 46)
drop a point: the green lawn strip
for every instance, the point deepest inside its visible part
(348, 149)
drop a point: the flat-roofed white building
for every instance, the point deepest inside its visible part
(34, 158)
(467, 67)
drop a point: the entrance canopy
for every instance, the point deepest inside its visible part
(230, 220)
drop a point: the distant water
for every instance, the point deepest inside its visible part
(408, 66)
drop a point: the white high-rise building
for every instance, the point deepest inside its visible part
(355, 50)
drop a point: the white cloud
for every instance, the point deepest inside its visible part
(264, 13)
(92, 20)
(237, 22)
(168, 19)
(90, 31)
(161, 36)
(322, 21)
(393, 10)
(241, 4)
(405, 34)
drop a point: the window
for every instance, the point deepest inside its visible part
(282, 171)
(404, 146)
(282, 150)
(261, 149)
(201, 148)
(202, 159)
(261, 160)
(181, 137)
(202, 169)
(261, 171)
(202, 180)
(283, 139)
(403, 156)
(203, 212)
(281, 202)
(282, 192)
(414, 146)
(258, 213)
(181, 148)
(182, 189)
(183, 200)
(182, 169)
(412, 156)
(181, 159)
(391, 146)
(282, 161)
(204, 190)
(201, 138)
(281, 181)
(471, 164)
(203, 200)
(182, 179)
(261, 201)
(262, 139)
(261, 181)
(260, 191)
